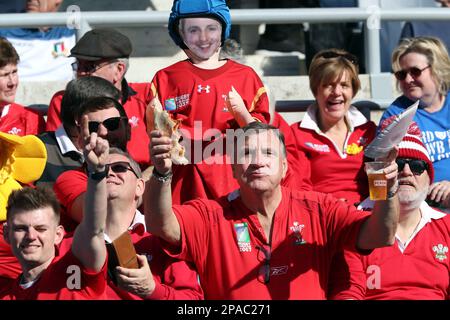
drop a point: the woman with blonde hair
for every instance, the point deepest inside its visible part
(333, 133)
(422, 68)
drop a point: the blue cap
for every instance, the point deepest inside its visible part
(198, 8)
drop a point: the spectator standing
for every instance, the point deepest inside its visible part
(105, 53)
(422, 68)
(196, 92)
(43, 51)
(14, 118)
(417, 265)
(282, 240)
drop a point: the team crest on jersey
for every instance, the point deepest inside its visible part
(318, 147)
(203, 89)
(133, 121)
(353, 149)
(15, 131)
(297, 233)
(59, 50)
(441, 252)
(243, 237)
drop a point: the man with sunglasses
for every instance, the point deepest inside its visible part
(165, 278)
(107, 118)
(105, 53)
(63, 149)
(263, 241)
(417, 265)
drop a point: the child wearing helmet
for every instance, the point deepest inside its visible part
(208, 95)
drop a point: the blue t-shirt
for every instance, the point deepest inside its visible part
(435, 129)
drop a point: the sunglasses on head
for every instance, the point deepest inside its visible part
(111, 124)
(413, 71)
(415, 165)
(121, 167)
(330, 55)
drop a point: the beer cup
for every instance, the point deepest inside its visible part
(377, 180)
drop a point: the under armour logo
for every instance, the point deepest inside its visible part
(200, 88)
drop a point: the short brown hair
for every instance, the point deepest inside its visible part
(8, 55)
(435, 52)
(27, 199)
(329, 65)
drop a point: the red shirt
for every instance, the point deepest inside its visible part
(18, 120)
(137, 99)
(221, 238)
(197, 97)
(10, 266)
(174, 279)
(419, 271)
(334, 171)
(69, 186)
(55, 282)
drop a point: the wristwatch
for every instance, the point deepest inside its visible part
(97, 176)
(162, 177)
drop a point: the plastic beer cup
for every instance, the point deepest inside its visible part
(377, 180)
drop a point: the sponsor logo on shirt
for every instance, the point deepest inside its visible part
(243, 237)
(278, 271)
(133, 121)
(440, 251)
(297, 233)
(177, 103)
(15, 131)
(201, 89)
(437, 143)
(318, 147)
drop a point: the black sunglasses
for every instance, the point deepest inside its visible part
(111, 124)
(331, 55)
(264, 270)
(415, 165)
(413, 71)
(120, 167)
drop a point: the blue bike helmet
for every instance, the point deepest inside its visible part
(198, 8)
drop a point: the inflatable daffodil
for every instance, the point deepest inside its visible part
(22, 159)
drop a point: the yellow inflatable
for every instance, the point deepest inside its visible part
(22, 159)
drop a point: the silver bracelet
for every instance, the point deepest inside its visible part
(162, 177)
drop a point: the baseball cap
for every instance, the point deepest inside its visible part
(103, 43)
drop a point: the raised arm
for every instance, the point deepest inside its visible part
(89, 243)
(379, 229)
(159, 217)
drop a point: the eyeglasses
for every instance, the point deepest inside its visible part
(415, 165)
(331, 55)
(413, 71)
(111, 124)
(120, 167)
(90, 66)
(264, 270)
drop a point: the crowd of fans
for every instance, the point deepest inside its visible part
(270, 211)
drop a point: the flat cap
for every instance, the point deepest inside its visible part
(103, 43)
